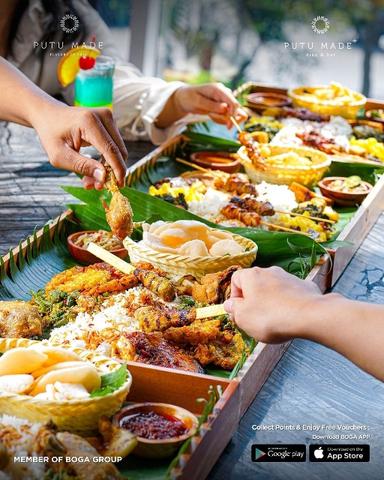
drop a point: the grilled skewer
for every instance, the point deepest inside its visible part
(233, 212)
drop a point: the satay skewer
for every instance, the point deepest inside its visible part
(233, 120)
(283, 229)
(316, 219)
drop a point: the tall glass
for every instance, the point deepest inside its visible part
(94, 86)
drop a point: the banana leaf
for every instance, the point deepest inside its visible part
(289, 250)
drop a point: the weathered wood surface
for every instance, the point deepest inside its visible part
(313, 385)
(30, 192)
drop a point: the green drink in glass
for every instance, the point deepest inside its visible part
(94, 86)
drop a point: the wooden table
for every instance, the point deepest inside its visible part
(311, 384)
(30, 192)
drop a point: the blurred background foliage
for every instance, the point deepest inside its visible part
(238, 40)
(231, 34)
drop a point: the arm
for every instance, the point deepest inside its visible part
(286, 307)
(62, 130)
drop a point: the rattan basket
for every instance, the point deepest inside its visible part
(80, 415)
(349, 110)
(285, 175)
(197, 266)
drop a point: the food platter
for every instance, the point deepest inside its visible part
(218, 397)
(156, 384)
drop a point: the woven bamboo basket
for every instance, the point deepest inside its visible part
(78, 416)
(285, 175)
(349, 110)
(196, 266)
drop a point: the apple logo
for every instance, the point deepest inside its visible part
(319, 453)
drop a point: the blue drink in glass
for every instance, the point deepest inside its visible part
(94, 87)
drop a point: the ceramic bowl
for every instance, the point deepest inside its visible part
(346, 199)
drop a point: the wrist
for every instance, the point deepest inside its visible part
(39, 112)
(319, 316)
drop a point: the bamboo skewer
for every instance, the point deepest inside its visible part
(316, 219)
(283, 229)
(233, 120)
(210, 311)
(110, 258)
(194, 165)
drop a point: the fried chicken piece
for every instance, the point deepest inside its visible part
(221, 354)
(19, 320)
(184, 285)
(153, 349)
(198, 332)
(119, 212)
(214, 287)
(234, 212)
(156, 319)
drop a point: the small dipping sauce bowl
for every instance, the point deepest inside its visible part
(151, 420)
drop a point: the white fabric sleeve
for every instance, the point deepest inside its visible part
(137, 103)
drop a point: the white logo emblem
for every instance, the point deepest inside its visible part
(319, 453)
(69, 23)
(320, 25)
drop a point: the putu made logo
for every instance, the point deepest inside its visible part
(320, 25)
(69, 23)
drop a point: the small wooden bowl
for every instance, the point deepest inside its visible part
(225, 161)
(166, 447)
(264, 100)
(82, 255)
(368, 114)
(345, 199)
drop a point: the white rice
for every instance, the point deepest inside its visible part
(280, 196)
(112, 316)
(21, 447)
(210, 205)
(337, 129)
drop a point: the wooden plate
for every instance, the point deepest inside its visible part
(346, 199)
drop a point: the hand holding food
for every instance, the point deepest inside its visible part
(63, 130)
(301, 311)
(256, 290)
(213, 99)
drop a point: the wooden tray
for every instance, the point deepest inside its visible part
(152, 383)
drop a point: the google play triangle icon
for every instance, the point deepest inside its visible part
(259, 454)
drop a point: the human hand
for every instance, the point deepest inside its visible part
(213, 99)
(270, 304)
(63, 130)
